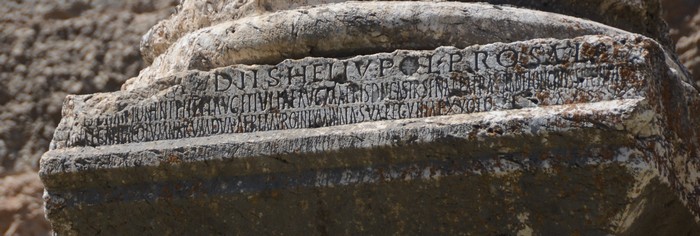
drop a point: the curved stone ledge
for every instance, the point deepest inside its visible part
(639, 16)
(357, 28)
(476, 127)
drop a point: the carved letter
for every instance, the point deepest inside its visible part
(217, 80)
(430, 65)
(274, 80)
(383, 66)
(476, 59)
(454, 59)
(317, 71)
(361, 72)
(535, 56)
(513, 57)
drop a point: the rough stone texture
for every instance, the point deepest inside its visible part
(688, 46)
(684, 18)
(27, 103)
(678, 14)
(21, 211)
(54, 48)
(640, 16)
(355, 28)
(319, 92)
(584, 135)
(49, 49)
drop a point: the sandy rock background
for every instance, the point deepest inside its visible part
(683, 17)
(49, 49)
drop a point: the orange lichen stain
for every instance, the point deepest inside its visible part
(196, 188)
(459, 77)
(626, 73)
(607, 154)
(304, 205)
(542, 96)
(274, 193)
(426, 110)
(587, 50)
(254, 199)
(604, 57)
(524, 50)
(443, 107)
(576, 233)
(166, 193)
(173, 159)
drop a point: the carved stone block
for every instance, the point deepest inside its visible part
(591, 134)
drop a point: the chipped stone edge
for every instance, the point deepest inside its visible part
(327, 30)
(371, 134)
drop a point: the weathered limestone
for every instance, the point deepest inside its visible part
(354, 28)
(378, 118)
(639, 16)
(588, 125)
(320, 92)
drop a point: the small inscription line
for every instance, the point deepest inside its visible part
(318, 92)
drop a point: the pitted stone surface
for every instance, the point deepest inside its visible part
(356, 28)
(603, 128)
(320, 92)
(638, 16)
(387, 118)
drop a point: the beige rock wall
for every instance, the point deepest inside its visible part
(21, 211)
(54, 48)
(684, 18)
(49, 49)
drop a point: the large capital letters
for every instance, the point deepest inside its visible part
(383, 66)
(222, 82)
(476, 59)
(454, 58)
(513, 57)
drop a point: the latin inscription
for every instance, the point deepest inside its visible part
(319, 92)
